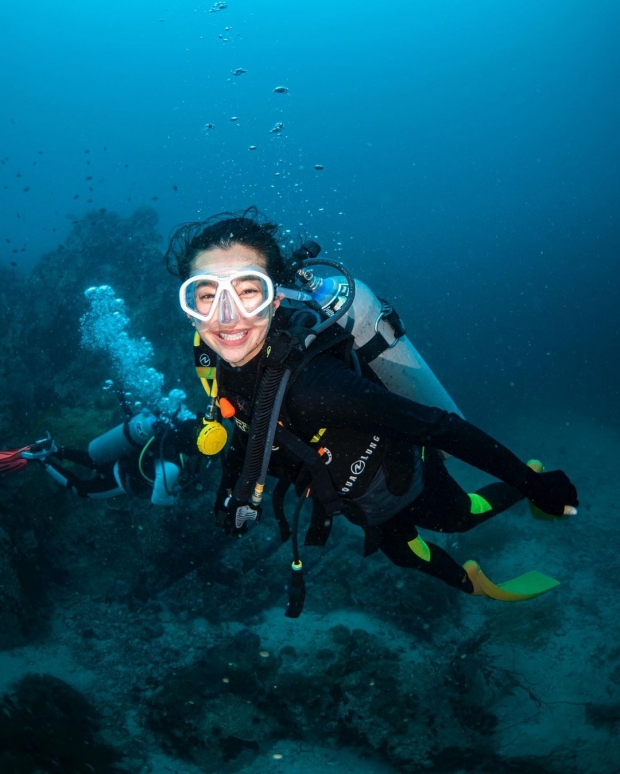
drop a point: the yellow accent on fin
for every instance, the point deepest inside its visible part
(527, 586)
(541, 515)
(479, 504)
(419, 548)
(317, 437)
(536, 466)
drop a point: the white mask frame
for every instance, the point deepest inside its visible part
(224, 282)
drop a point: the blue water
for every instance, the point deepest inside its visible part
(469, 154)
(471, 147)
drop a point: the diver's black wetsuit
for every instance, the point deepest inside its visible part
(328, 394)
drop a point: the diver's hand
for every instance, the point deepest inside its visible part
(555, 494)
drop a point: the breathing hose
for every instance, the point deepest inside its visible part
(271, 433)
(265, 399)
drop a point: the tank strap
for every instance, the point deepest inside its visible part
(377, 344)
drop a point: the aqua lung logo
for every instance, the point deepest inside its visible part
(204, 359)
(358, 467)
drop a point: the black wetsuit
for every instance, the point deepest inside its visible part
(328, 394)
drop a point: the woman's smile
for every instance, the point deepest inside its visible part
(233, 338)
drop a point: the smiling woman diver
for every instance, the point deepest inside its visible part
(291, 380)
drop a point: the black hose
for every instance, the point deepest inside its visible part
(296, 514)
(265, 398)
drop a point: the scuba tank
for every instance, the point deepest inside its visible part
(381, 342)
(165, 484)
(133, 433)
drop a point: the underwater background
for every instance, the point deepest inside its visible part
(462, 158)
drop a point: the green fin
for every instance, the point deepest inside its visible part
(479, 504)
(527, 586)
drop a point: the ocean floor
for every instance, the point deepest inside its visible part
(548, 669)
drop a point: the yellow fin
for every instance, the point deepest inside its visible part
(527, 586)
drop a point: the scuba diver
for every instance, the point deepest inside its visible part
(333, 400)
(145, 456)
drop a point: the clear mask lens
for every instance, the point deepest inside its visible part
(242, 294)
(227, 315)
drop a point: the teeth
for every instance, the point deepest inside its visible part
(232, 336)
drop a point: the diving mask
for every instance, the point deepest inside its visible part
(244, 294)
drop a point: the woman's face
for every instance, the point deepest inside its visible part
(237, 342)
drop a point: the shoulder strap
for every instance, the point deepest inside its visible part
(205, 361)
(335, 340)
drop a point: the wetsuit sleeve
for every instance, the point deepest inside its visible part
(328, 394)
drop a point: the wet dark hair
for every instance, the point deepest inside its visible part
(250, 228)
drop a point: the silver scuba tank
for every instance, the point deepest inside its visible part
(165, 485)
(133, 433)
(400, 367)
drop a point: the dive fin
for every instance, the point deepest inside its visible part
(527, 586)
(11, 460)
